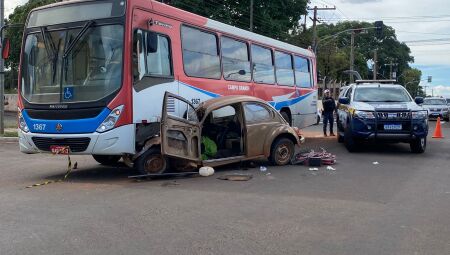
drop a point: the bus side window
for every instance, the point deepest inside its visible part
(262, 62)
(151, 55)
(284, 69)
(303, 77)
(235, 60)
(200, 53)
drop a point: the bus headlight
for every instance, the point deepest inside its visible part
(22, 124)
(419, 115)
(364, 115)
(111, 120)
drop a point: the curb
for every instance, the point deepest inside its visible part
(9, 139)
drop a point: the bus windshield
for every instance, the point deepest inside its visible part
(90, 70)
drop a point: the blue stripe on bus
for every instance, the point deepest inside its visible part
(287, 103)
(76, 126)
(201, 90)
(276, 105)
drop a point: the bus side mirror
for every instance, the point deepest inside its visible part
(344, 100)
(152, 42)
(5, 48)
(418, 100)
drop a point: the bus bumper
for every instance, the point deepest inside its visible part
(117, 141)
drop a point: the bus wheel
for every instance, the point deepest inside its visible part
(285, 116)
(151, 162)
(107, 160)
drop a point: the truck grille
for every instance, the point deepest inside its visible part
(394, 115)
(75, 144)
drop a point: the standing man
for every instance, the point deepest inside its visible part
(329, 107)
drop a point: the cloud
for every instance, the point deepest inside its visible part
(440, 90)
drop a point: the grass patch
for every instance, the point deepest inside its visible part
(10, 134)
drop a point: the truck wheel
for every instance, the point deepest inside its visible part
(447, 119)
(107, 160)
(349, 142)
(281, 152)
(151, 162)
(418, 145)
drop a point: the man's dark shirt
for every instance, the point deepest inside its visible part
(328, 104)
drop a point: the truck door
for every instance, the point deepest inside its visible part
(180, 129)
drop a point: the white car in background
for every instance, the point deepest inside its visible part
(437, 107)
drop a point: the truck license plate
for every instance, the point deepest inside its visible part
(393, 127)
(58, 149)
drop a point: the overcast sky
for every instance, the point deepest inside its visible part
(412, 20)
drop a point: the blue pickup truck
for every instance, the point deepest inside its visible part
(381, 112)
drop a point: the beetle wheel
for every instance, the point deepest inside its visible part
(282, 152)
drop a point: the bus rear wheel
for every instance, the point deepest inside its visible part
(107, 160)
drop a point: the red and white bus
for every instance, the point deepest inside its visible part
(93, 73)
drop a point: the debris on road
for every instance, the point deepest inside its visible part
(313, 169)
(314, 158)
(331, 168)
(262, 168)
(172, 183)
(235, 177)
(376, 163)
(206, 171)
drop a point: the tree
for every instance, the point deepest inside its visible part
(277, 19)
(334, 51)
(411, 79)
(19, 16)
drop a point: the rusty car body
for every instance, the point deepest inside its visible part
(242, 128)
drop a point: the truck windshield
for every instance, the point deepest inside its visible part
(91, 70)
(381, 94)
(432, 101)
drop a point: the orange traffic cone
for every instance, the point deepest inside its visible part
(437, 131)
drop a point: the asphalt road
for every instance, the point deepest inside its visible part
(399, 206)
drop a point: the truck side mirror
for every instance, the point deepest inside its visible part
(5, 48)
(344, 100)
(418, 100)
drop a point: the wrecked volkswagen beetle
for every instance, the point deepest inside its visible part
(219, 131)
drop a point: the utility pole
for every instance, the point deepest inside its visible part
(2, 75)
(352, 55)
(391, 65)
(251, 15)
(375, 59)
(315, 20)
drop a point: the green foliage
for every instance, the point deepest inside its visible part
(19, 16)
(410, 79)
(333, 51)
(277, 18)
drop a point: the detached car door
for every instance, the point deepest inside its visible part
(180, 129)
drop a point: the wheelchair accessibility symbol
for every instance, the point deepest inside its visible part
(68, 93)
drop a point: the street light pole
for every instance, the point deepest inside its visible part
(352, 55)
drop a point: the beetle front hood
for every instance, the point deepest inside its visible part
(383, 106)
